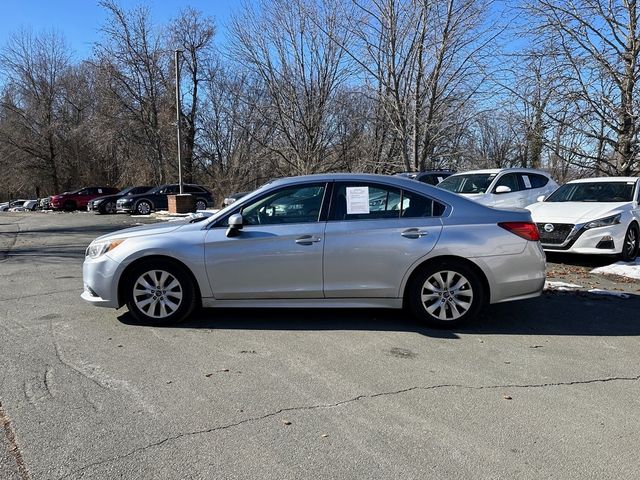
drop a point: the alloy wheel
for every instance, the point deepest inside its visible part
(157, 293)
(143, 208)
(447, 295)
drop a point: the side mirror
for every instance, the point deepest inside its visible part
(540, 198)
(503, 189)
(235, 225)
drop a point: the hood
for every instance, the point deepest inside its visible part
(574, 212)
(153, 229)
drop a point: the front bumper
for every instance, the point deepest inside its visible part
(594, 241)
(100, 276)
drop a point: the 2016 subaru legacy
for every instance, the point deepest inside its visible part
(335, 240)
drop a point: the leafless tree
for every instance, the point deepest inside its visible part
(192, 33)
(34, 67)
(136, 63)
(599, 51)
(289, 45)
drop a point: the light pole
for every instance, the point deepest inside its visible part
(178, 53)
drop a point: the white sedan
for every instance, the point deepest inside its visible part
(591, 216)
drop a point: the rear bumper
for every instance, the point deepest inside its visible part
(515, 277)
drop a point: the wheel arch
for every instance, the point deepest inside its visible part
(442, 259)
(124, 276)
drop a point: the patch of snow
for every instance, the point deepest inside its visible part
(598, 291)
(561, 286)
(623, 269)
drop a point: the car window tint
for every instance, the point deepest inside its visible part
(297, 204)
(365, 202)
(508, 180)
(172, 189)
(415, 205)
(192, 189)
(537, 181)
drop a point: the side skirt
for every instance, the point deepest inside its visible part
(305, 303)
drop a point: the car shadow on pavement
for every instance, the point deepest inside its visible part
(551, 314)
(577, 260)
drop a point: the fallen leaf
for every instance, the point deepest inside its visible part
(286, 422)
(324, 435)
(507, 397)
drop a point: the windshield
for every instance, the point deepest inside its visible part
(470, 183)
(593, 192)
(126, 191)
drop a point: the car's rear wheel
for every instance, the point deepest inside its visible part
(630, 244)
(143, 207)
(109, 208)
(446, 294)
(160, 293)
(201, 204)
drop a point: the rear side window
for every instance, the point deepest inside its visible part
(373, 202)
(193, 189)
(365, 202)
(533, 180)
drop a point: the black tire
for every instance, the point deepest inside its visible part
(143, 207)
(166, 306)
(630, 245)
(453, 294)
(109, 208)
(69, 205)
(201, 204)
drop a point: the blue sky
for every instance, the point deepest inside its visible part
(79, 21)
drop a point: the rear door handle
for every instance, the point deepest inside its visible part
(307, 240)
(414, 233)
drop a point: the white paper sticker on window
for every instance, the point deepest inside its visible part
(357, 200)
(440, 179)
(99, 190)
(527, 182)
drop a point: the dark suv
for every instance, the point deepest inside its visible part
(431, 177)
(156, 199)
(79, 198)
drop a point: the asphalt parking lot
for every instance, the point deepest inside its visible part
(545, 388)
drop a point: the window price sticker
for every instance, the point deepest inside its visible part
(357, 200)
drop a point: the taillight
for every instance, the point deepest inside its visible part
(526, 230)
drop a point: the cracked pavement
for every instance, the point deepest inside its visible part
(545, 388)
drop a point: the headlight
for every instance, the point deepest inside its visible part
(97, 202)
(604, 222)
(95, 249)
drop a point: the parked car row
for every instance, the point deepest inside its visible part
(141, 200)
(19, 205)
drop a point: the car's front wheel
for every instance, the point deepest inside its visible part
(143, 207)
(160, 293)
(446, 294)
(630, 244)
(109, 208)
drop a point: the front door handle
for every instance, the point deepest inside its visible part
(307, 240)
(414, 233)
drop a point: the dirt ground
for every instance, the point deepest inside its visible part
(576, 269)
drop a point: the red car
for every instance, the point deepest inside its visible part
(79, 198)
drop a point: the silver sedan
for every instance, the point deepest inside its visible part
(335, 240)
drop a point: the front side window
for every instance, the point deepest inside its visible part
(297, 204)
(508, 180)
